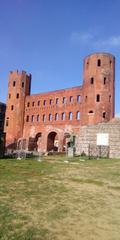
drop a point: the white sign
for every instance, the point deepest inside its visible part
(102, 139)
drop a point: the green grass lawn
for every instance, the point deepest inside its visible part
(56, 200)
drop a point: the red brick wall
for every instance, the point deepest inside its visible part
(98, 80)
(18, 88)
(72, 105)
(26, 119)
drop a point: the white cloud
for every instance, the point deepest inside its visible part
(91, 39)
(113, 41)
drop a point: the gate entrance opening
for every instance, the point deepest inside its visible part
(38, 141)
(52, 142)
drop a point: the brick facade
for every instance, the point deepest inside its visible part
(42, 121)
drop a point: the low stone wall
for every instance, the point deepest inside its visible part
(88, 136)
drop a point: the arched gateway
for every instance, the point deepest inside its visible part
(38, 141)
(52, 141)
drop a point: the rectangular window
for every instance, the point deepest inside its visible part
(32, 118)
(12, 107)
(64, 100)
(51, 101)
(92, 80)
(14, 83)
(78, 115)
(17, 96)
(87, 64)
(22, 84)
(104, 80)
(78, 98)
(44, 102)
(38, 118)
(44, 118)
(57, 101)
(27, 118)
(56, 116)
(98, 98)
(86, 98)
(50, 117)
(7, 122)
(38, 103)
(63, 116)
(70, 115)
(99, 63)
(71, 99)
(109, 98)
(28, 104)
(104, 114)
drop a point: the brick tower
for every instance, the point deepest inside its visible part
(98, 88)
(19, 85)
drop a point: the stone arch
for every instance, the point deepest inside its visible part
(21, 144)
(66, 140)
(52, 141)
(37, 141)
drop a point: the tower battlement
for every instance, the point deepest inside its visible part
(17, 72)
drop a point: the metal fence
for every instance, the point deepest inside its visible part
(95, 151)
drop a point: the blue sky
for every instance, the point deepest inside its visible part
(50, 38)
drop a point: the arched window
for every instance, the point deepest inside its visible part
(14, 83)
(78, 115)
(44, 102)
(92, 80)
(63, 116)
(50, 117)
(56, 116)
(51, 101)
(87, 64)
(91, 111)
(32, 118)
(109, 98)
(44, 118)
(98, 98)
(78, 98)
(38, 118)
(7, 122)
(28, 104)
(57, 101)
(70, 115)
(104, 80)
(71, 99)
(27, 118)
(12, 107)
(104, 115)
(38, 103)
(17, 96)
(99, 63)
(64, 100)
